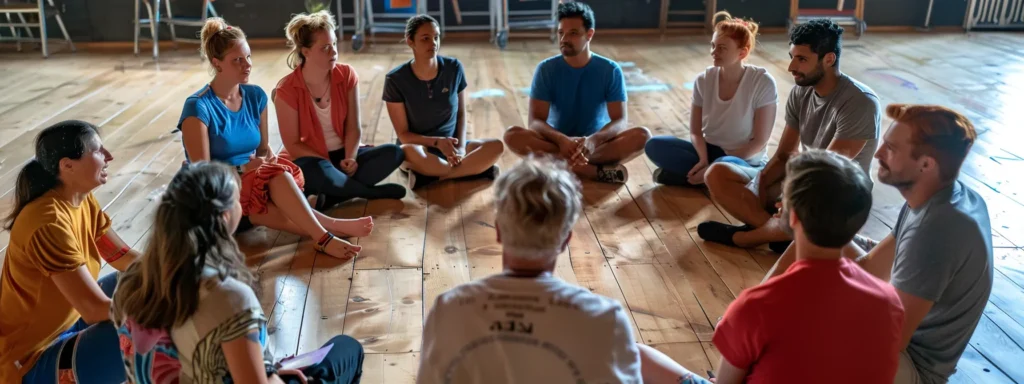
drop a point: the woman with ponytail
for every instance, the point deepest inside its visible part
(732, 114)
(191, 296)
(226, 121)
(55, 325)
(318, 115)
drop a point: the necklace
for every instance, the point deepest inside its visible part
(325, 94)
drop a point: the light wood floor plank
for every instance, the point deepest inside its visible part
(390, 368)
(385, 311)
(445, 261)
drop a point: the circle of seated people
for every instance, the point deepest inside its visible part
(185, 309)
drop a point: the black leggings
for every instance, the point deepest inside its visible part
(374, 164)
(342, 365)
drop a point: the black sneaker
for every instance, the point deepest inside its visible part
(657, 176)
(721, 233)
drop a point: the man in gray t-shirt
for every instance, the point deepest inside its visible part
(943, 257)
(939, 254)
(850, 112)
(826, 110)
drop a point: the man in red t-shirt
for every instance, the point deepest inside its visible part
(825, 320)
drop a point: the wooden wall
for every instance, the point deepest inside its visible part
(111, 20)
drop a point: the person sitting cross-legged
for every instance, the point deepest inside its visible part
(939, 254)
(426, 102)
(318, 116)
(824, 320)
(525, 325)
(578, 106)
(827, 109)
(732, 114)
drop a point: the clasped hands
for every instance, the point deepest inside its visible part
(576, 149)
(449, 146)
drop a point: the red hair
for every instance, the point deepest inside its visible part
(939, 132)
(744, 32)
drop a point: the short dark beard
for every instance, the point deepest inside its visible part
(812, 79)
(901, 185)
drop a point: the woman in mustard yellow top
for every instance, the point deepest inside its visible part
(55, 325)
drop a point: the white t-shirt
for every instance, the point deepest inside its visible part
(331, 138)
(730, 124)
(504, 329)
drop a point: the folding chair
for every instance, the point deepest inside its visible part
(154, 20)
(43, 10)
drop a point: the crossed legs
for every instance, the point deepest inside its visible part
(731, 187)
(624, 147)
(288, 211)
(480, 157)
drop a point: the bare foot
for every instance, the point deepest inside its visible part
(352, 227)
(342, 249)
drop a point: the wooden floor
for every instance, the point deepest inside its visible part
(636, 243)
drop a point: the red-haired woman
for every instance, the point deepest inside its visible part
(732, 115)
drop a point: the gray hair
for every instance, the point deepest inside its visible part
(537, 202)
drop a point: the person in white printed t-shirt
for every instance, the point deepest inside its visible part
(525, 325)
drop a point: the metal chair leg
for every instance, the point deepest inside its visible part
(174, 36)
(14, 32)
(154, 13)
(60, 22)
(137, 27)
(42, 29)
(21, 17)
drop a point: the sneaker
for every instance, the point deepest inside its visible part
(657, 176)
(721, 233)
(614, 174)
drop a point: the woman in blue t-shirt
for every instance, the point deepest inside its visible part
(226, 121)
(427, 107)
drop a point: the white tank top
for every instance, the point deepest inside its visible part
(331, 138)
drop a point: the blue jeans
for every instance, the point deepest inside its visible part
(92, 352)
(342, 365)
(676, 157)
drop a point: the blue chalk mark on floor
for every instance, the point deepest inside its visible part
(627, 64)
(647, 88)
(688, 85)
(489, 92)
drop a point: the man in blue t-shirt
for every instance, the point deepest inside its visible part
(578, 106)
